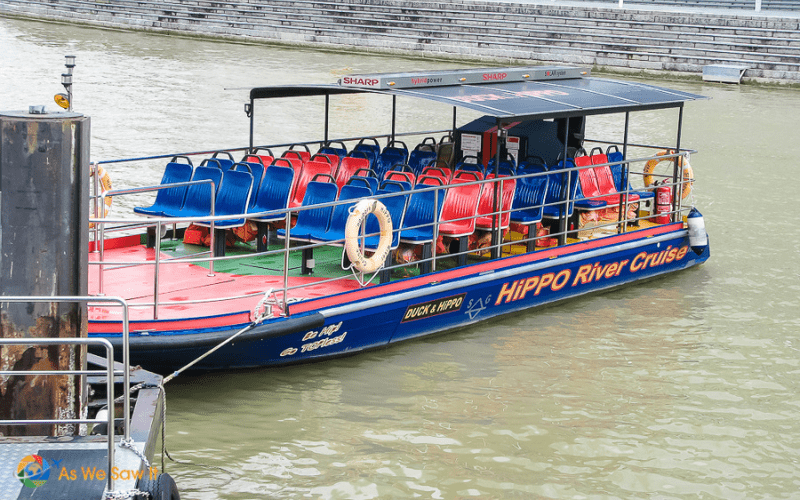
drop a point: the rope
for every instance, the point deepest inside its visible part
(129, 443)
(210, 351)
(130, 391)
(165, 453)
(258, 317)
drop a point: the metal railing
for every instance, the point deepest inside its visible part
(109, 372)
(496, 248)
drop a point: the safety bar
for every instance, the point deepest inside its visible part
(287, 214)
(284, 145)
(110, 373)
(144, 189)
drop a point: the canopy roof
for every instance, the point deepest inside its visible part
(508, 94)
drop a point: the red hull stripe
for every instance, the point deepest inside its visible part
(492, 265)
(122, 242)
(212, 322)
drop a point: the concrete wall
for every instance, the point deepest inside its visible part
(505, 32)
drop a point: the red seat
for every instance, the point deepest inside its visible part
(587, 177)
(486, 203)
(430, 180)
(332, 158)
(296, 165)
(396, 175)
(444, 173)
(348, 168)
(310, 169)
(303, 154)
(605, 181)
(294, 158)
(472, 175)
(266, 159)
(460, 207)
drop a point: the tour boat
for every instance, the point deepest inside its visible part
(275, 254)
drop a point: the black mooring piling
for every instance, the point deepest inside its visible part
(44, 205)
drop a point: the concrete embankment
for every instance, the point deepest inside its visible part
(636, 38)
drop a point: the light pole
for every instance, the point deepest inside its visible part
(65, 100)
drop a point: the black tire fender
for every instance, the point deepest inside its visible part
(161, 488)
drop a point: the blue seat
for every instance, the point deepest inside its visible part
(273, 194)
(470, 164)
(615, 155)
(531, 164)
(396, 205)
(556, 190)
(528, 208)
(421, 157)
(257, 170)
(313, 220)
(393, 186)
(369, 181)
(331, 148)
(370, 150)
(391, 156)
(529, 198)
(233, 198)
(172, 198)
(507, 166)
(420, 212)
(335, 231)
(224, 163)
(198, 196)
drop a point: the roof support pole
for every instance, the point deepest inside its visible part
(623, 212)
(677, 172)
(563, 208)
(327, 115)
(394, 116)
(501, 140)
(249, 112)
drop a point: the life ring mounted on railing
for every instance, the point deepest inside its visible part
(358, 216)
(105, 185)
(683, 162)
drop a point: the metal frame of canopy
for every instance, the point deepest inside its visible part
(507, 94)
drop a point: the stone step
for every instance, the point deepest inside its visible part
(743, 42)
(599, 36)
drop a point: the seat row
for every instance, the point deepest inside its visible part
(460, 209)
(251, 187)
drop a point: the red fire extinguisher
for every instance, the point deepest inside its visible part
(663, 203)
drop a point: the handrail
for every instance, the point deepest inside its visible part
(280, 145)
(288, 213)
(109, 372)
(118, 192)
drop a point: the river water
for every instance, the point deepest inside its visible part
(682, 387)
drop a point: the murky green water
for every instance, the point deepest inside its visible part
(684, 387)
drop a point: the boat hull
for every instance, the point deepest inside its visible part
(376, 316)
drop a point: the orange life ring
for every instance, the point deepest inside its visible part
(683, 162)
(105, 184)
